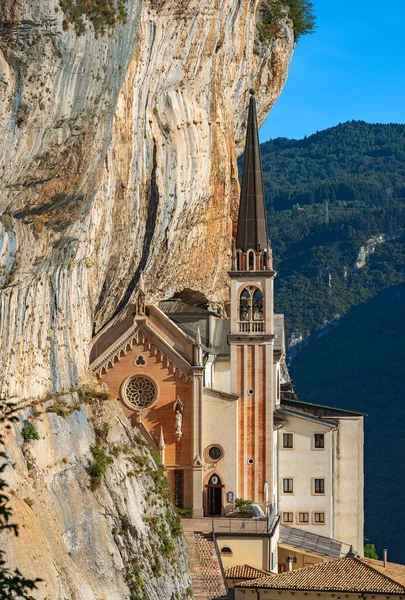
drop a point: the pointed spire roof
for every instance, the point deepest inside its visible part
(162, 444)
(252, 221)
(198, 337)
(141, 285)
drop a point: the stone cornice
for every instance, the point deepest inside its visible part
(248, 338)
(251, 274)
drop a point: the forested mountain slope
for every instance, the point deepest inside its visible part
(336, 209)
(327, 196)
(360, 365)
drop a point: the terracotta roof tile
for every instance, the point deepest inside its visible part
(346, 574)
(245, 572)
(392, 570)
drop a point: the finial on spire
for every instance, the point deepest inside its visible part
(252, 91)
(162, 445)
(140, 297)
(198, 349)
(198, 336)
(141, 284)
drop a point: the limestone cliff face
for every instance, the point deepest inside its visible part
(118, 154)
(118, 542)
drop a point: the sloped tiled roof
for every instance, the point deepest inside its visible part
(312, 542)
(348, 574)
(392, 570)
(245, 572)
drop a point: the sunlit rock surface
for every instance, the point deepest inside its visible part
(89, 545)
(118, 155)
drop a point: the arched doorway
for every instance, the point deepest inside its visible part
(214, 496)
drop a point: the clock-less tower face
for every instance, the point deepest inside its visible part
(252, 326)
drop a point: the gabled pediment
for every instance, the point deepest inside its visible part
(140, 332)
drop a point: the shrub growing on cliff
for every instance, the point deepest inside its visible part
(272, 12)
(99, 465)
(30, 432)
(12, 583)
(102, 14)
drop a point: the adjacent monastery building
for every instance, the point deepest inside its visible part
(213, 395)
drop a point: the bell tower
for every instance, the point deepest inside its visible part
(252, 327)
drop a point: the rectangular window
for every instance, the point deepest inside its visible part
(287, 440)
(319, 517)
(319, 486)
(319, 440)
(178, 489)
(287, 517)
(287, 486)
(303, 517)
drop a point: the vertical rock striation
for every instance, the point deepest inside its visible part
(119, 541)
(118, 154)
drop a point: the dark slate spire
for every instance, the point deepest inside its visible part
(252, 222)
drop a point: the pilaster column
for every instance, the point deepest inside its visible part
(197, 441)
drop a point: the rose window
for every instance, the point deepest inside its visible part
(139, 392)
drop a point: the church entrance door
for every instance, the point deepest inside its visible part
(214, 496)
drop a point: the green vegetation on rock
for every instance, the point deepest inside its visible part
(102, 14)
(99, 465)
(30, 432)
(272, 12)
(12, 583)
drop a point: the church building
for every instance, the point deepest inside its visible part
(212, 395)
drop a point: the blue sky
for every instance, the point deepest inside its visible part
(352, 67)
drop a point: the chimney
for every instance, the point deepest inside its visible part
(289, 560)
(385, 557)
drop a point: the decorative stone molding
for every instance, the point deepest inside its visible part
(141, 333)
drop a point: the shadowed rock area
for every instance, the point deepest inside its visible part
(118, 154)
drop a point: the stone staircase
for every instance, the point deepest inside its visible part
(206, 575)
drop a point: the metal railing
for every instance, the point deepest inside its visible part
(251, 326)
(230, 525)
(258, 525)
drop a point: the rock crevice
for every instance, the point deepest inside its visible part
(118, 153)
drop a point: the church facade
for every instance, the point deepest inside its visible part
(211, 394)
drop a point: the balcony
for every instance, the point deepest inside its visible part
(251, 326)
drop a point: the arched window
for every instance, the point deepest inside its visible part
(257, 306)
(251, 304)
(226, 550)
(251, 260)
(245, 306)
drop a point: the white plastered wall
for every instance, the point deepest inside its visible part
(220, 427)
(303, 464)
(222, 375)
(348, 497)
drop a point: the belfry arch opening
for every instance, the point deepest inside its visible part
(251, 310)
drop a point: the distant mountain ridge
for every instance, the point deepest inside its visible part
(327, 196)
(352, 160)
(336, 213)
